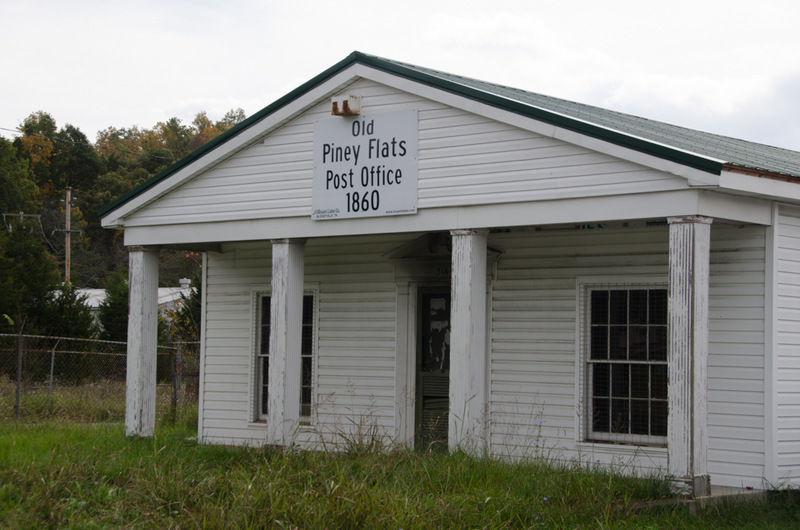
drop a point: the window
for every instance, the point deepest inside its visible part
(627, 365)
(306, 355)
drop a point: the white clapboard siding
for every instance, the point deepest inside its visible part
(356, 336)
(533, 341)
(231, 278)
(736, 390)
(464, 159)
(787, 347)
(354, 364)
(533, 370)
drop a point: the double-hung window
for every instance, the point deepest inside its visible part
(627, 365)
(306, 356)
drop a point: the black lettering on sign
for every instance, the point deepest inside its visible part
(363, 202)
(379, 148)
(338, 181)
(361, 128)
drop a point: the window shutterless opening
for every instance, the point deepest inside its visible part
(626, 365)
(306, 356)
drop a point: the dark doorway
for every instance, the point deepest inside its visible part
(433, 367)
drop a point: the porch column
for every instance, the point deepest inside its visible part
(140, 396)
(285, 363)
(467, 425)
(687, 427)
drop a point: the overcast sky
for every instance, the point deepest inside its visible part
(725, 66)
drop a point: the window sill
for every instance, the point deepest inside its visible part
(628, 448)
(304, 424)
(629, 440)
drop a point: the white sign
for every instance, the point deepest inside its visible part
(365, 166)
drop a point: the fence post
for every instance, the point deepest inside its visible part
(172, 378)
(52, 364)
(19, 374)
(179, 362)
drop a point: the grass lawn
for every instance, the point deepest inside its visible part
(59, 474)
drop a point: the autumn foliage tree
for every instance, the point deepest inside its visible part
(41, 162)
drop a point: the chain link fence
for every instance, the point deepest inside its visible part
(84, 379)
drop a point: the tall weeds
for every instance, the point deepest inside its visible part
(62, 475)
(100, 401)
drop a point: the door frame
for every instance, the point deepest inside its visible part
(405, 381)
(421, 290)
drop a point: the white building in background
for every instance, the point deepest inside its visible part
(450, 261)
(168, 298)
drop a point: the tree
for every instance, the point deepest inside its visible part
(185, 320)
(108, 187)
(74, 161)
(176, 264)
(203, 130)
(7, 287)
(64, 313)
(28, 273)
(18, 189)
(36, 144)
(174, 136)
(35, 169)
(104, 247)
(119, 147)
(113, 314)
(232, 117)
(58, 158)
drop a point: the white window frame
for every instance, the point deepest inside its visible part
(256, 379)
(584, 369)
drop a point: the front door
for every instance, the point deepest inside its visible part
(433, 367)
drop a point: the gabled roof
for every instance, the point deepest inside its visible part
(731, 150)
(696, 149)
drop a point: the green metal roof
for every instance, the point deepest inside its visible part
(700, 150)
(729, 150)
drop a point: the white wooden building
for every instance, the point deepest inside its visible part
(398, 252)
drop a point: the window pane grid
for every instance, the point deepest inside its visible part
(263, 357)
(306, 356)
(627, 362)
(306, 350)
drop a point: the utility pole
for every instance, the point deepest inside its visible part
(21, 216)
(67, 236)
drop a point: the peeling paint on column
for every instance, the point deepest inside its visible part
(687, 432)
(140, 397)
(468, 350)
(286, 311)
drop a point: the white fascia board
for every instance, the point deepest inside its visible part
(247, 137)
(340, 81)
(760, 187)
(695, 177)
(534, 213)
(735, 208)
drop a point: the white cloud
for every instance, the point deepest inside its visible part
(97, 63)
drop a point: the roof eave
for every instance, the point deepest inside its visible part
(682, 157)
(229, 134)
(760, 173)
